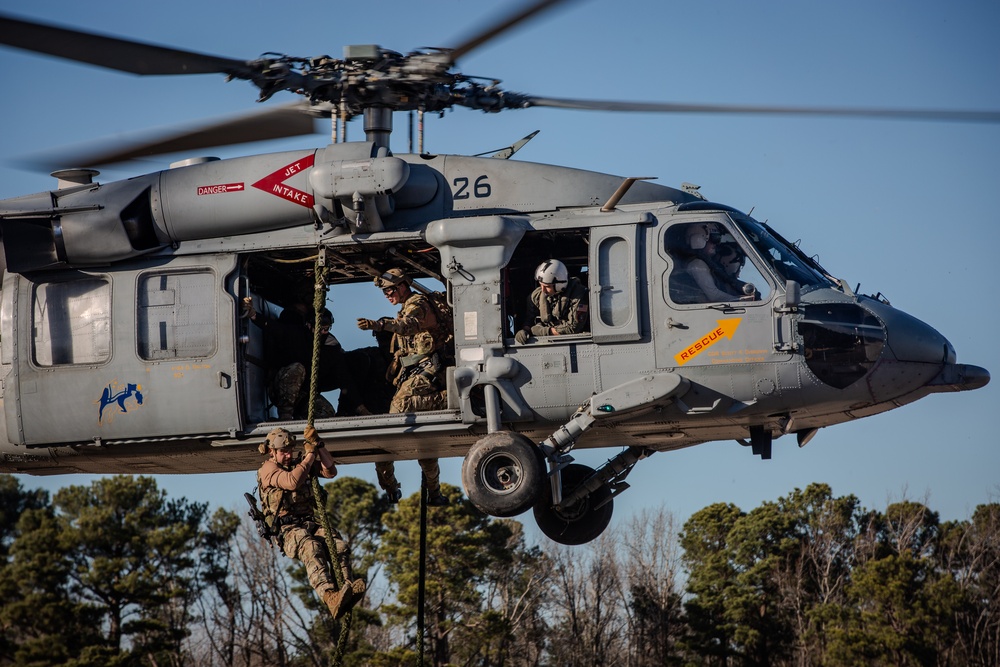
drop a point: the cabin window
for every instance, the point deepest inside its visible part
(176, 315)
(71, 322)
(616, 279)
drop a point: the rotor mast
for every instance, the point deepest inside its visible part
(378, 125)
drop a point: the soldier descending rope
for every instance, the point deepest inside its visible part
(286, 494)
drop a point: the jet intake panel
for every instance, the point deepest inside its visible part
(245, 195)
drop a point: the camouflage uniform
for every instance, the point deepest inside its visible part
(417, 370)
(565, 311)
(288, 504)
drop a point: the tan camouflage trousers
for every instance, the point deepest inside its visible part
(415, 394)
(418, 394)
(289, 391)
(306, 543)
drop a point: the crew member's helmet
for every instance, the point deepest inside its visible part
(391, 278)
(552, 272)
(699, 236)
(278, 438)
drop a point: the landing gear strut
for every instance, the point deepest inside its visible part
(580, 521)
(581, 502)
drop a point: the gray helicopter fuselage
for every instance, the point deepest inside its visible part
(122, 348)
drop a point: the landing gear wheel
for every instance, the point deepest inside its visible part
(504, 474)
(580, 522)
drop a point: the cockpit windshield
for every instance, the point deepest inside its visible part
(788, 262)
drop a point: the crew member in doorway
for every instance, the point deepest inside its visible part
(416, 370)
(288, 348)
(558, 306)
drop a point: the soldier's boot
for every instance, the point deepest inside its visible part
(432, 482)
(339, 602)
(437, 499)
(357, 588)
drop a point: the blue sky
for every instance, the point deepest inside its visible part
(907, 209)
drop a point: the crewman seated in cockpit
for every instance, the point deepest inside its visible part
(732, 258)
(698, 276)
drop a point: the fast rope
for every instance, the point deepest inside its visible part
(319, 494)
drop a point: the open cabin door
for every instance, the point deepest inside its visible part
(142, 351)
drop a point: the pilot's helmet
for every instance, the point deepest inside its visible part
(278, 438)
(698, 236)
(552, 272)
(391, 278)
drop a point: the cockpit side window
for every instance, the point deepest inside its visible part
(786, 260)
(710, 266)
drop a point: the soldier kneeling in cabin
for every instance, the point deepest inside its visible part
(285, 487)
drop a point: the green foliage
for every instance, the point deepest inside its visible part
(480, 578)
(116, 573)
(105, 572)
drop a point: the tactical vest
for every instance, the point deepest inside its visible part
(279, 502)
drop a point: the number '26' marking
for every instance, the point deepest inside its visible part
(480, 187)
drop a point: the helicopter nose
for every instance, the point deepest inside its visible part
(912, 340)
(917, 358)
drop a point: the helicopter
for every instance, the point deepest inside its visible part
(121, 271)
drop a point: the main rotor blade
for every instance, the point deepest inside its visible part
(670, 107)
(492, 30)
(278, 122)
(112, 52)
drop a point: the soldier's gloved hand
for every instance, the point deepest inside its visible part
(248, 309)
(522, 336)
(311, 440)
(541, 330)
(369, 325)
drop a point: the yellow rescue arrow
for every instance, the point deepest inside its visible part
(726, 329)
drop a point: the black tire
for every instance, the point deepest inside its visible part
(504, 474)
(584, 520)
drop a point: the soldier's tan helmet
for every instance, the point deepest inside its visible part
(278, 438)
(391, 278)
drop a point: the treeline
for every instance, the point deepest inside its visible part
(117, 574)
